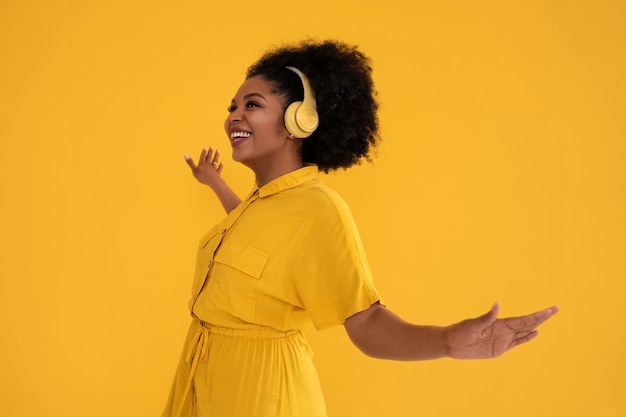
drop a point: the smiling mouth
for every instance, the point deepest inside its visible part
(238, 137)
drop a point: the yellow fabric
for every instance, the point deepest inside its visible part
(289, 256)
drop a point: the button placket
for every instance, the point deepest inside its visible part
(250, 200)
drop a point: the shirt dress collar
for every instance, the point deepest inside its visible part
(290, 180)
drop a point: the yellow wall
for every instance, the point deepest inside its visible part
(501, 178)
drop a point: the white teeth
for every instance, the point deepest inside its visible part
(234, 135)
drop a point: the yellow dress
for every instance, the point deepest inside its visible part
(289, 256)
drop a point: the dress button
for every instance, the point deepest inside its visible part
(210, 263)
(223, 232)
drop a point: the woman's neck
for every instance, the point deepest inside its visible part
(264, 176)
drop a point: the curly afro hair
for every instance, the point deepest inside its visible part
(341, 77)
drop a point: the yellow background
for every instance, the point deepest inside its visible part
(501, 177)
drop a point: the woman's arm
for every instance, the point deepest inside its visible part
(208, 172)
(379, 333)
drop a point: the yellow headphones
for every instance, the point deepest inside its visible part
(301, 117)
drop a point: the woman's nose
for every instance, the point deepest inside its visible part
(235, 116)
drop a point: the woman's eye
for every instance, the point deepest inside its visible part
(250, 104)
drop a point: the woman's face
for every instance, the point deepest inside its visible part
(255, 126)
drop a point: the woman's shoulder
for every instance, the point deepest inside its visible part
(322, 200)
(319, 192)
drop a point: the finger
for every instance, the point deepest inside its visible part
(213, 156)
(543, 315)
(491, 316)
(495, 310)
(190, 162)
(525, 338)
(203, 155)
(531, 321)
(219, 168)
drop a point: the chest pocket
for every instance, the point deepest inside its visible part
(235, 277)
(243, 258)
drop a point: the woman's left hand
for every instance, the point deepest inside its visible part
(488, 336)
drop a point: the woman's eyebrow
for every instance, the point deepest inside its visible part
(247, 96)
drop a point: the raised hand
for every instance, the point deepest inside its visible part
(208, 172)
(488, 336)
(209, 167)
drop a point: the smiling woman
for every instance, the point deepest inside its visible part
(290, 255)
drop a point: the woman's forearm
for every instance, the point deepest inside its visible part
(380, 333)
(226, 195)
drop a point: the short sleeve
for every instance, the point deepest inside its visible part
(333, 277)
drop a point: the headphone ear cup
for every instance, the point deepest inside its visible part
(301, 118)
(291, 122)
(307, 118)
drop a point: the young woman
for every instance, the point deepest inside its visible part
(289, 255)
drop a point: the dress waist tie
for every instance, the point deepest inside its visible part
(198, 351)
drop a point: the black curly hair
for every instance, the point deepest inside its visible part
(341, 77)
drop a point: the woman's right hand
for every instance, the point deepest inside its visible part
(209, 167)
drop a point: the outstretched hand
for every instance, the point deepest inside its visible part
(209, 167)
(488, 336)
